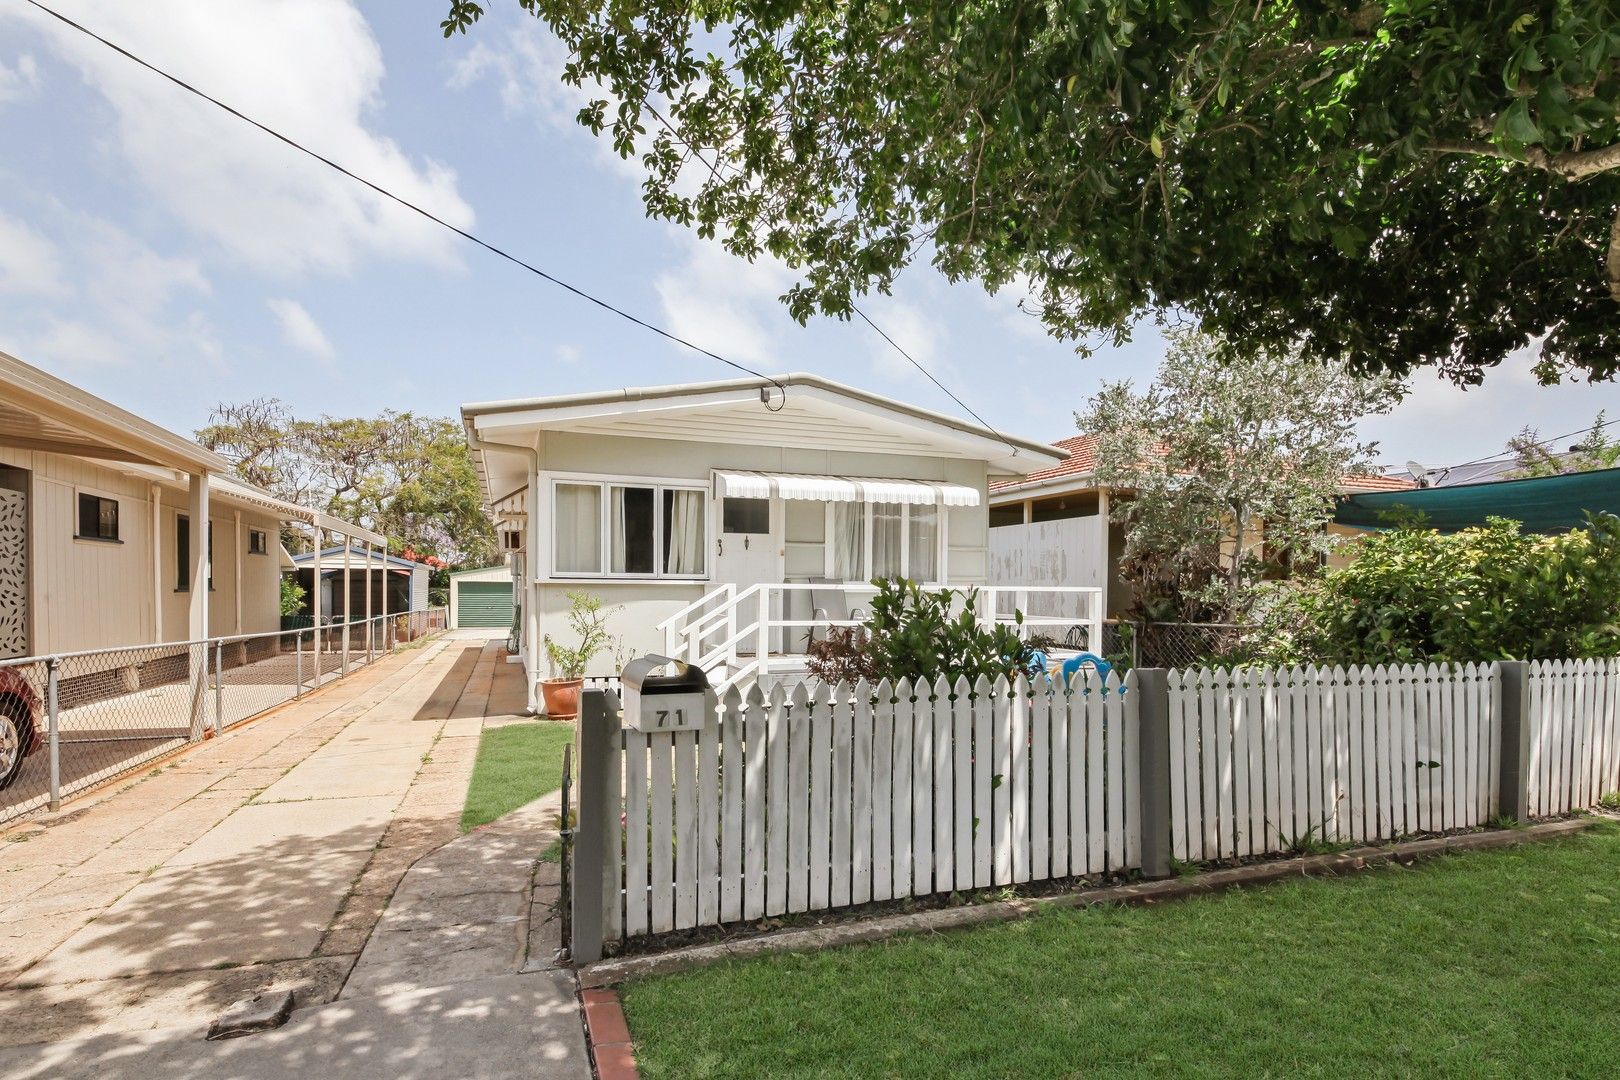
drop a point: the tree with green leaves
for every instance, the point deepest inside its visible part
(1393, 183)
(1230, 464)
(1537, 457)
(406, 476)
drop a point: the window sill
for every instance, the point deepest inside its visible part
(97, 539)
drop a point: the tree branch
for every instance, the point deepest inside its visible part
(1571, 165)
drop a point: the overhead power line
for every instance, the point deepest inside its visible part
(1539, 442)
(714, 170)
(414, 208)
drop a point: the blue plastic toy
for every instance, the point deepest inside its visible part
(1080, 660)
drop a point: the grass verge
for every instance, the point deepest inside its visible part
(516, 764)
(1502, 963)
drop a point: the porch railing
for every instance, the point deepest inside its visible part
(747, 634)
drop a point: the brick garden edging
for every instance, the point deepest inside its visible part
(608, 1035)
(608, 973)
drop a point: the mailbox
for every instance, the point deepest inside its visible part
(676, 702)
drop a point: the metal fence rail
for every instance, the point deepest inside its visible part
(71, 721)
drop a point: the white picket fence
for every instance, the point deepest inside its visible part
(804, 801)
(1262, 759)
(1574, 733)
(801, 802)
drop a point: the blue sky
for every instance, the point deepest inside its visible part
(166, 256)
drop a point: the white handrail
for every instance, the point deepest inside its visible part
(699, 602)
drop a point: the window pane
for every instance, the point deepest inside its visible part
(182, 554)
(579, 529)
(848, 538)
(924, 544)
(632, 531)
(886, 539)
(684, 542)
(87, 515)
(745, 516)
(107, 519)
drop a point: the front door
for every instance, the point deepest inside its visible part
(13, 563)
(746, 552)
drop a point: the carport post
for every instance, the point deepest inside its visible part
(298, 672)
(315, 609)
(197, 626)
(369, 625)
(348, 599)
(388, 631)
(53, 730)
(595, 873)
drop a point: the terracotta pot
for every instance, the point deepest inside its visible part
(561, 697)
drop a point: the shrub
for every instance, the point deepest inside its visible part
(292, 596)
(1491, 593)
(843, 656)
(914, 634)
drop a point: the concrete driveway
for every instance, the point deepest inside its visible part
(260, 860)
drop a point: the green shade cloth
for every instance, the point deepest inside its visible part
(1543, 504)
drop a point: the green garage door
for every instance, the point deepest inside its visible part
(484, 603)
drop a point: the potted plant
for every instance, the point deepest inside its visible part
(588, 619)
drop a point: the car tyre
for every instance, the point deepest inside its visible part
(15, 734)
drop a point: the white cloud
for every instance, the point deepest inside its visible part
(912, 330)
(309, 68)
(18, 80)
(115, 299)
(29, 261)
(300, 330)
(525, 61)
(567, 354)
(726, 304)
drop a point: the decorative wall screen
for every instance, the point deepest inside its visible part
(13, 573)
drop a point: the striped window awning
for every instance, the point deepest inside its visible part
(760, 485)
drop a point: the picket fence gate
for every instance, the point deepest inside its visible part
(807, 800)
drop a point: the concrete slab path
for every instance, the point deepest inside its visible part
(513, 1026)
(258, 860)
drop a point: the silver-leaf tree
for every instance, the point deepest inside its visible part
(1228, 469)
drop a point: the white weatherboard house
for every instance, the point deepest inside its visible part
(726, 522)
(101, 528)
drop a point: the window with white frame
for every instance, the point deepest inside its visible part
(873, 540)
(629, 529)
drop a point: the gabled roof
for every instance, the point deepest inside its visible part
(333, 556)
(814, 413)
(1077, 473)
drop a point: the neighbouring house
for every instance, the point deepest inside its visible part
(102, 537)
(727, 522)
(482, 597)
(1055, 526)
(385, 582)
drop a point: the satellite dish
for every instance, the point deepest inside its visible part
(1417, 469)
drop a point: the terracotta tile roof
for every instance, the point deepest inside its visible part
(1083, 459)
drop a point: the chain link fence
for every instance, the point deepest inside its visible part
(72, 721)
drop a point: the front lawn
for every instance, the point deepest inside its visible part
(516, 764)
(1502, 963)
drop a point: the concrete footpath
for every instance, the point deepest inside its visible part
(264, 860)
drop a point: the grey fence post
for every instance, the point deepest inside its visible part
(598, 826)
(1152, 695)
(298, 671)
(53, 730)
(219, 687)
(1513, 707)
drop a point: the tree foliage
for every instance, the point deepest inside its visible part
(406, 476)
(1492, 593)
(1397, 182)
(1231, 468)
(916, 634)
(1537, 458)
